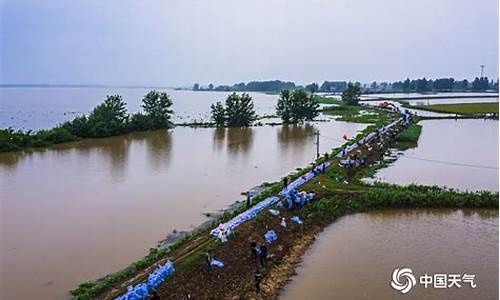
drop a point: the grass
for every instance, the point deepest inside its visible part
(324, 100)
(410, 134)
(460, 108)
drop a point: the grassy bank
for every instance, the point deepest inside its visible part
(460, 108)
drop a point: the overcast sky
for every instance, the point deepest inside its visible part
(179, 42)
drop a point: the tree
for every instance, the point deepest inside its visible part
(196, 87)
(108, 118)
(157, 106)
(297, 106)
(312, 88)
(284, 106)
(218, 114)
(421, 85)
(210, 86)
(351, 94)
(407, 85)
(238, 111)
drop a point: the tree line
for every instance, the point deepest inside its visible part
(420, 85)
(106, 119)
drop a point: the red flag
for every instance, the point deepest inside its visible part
(345, 137)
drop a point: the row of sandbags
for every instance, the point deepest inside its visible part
(142, 290)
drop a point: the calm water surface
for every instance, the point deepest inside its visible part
(78, 211)
(471, 142)
(354, 258)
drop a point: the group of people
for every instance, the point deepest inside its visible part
(296, 199)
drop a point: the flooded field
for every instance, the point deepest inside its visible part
(461, 154)
(354, 258)
(78, 211)
(42, 108)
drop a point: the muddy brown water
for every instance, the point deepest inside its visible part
(78, 211)
(354, 258)
(461, 154)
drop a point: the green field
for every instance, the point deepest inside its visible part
(461, 108)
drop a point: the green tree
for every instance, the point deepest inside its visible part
(297, 106)
(351, 94)
(239, 110)
(157, 106)
(218, 114)
(108, 118)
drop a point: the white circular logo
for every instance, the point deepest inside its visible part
(403, 280)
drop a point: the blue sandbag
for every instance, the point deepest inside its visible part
(216, 263)
(225, 229)
(274, 212)
(141, 291)
(270, 236)
(297, 220)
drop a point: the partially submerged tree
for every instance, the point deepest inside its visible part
(238, 111)
(351, 94)
(108, 118)
(297, 106)
(218, 114)
(157, 106)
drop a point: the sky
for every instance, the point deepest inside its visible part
(180, 42)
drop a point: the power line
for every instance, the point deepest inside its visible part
(450, 163)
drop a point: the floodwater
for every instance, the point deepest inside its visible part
(461, 154)
(77, 211)
(354, 258)
(431, 97)
(42, 108)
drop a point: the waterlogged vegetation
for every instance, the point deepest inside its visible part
(237, 111)
(297, 106)
(460, 108)
(107, 119)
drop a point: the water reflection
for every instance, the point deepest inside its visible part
(296, 137)
(113, 152)
(159, 145)
(236, 140)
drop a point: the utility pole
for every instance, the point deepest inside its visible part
(317, 144)
(482, 70)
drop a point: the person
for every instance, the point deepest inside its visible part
(326, 156)
(257, 281)
(285, 182)
(263, 255)
(155, 296)
(208, 263)
(248, 199)
(253, 249)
